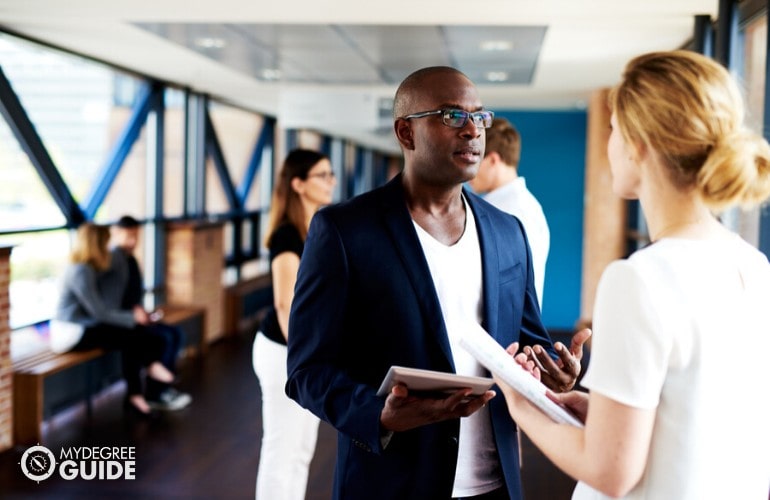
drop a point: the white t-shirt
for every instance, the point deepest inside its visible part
(683, 326)
(457, 277)
(514, 198)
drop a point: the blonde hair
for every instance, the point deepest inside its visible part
(90, 246)
(690, 110)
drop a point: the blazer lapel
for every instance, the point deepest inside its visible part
(490, 264)
(401, 229)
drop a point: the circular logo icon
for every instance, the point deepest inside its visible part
(38, 463)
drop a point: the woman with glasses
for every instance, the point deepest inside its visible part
(678, 393)
(305, 183)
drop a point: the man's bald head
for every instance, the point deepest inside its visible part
(413, 85)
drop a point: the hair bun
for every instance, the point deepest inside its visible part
(737, 170)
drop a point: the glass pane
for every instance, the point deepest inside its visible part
(260, 193)
(746, 223)
(27, 204)
(237, 132)
(127, 196)
(216, 201)
(755, 37)
(78, 106)
(37, 263)
(173, 185)
(308, 139)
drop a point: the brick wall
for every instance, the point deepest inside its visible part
(195, 261)
(6, 368)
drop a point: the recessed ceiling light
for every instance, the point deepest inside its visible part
(496, 76)
(496, 45)
(210, 42)
(271, 74)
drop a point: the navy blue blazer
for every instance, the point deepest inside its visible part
(365, 300)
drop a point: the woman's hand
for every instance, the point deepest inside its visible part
(575, 401)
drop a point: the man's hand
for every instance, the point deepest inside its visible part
(141, 316)
(560, 375)
(403, 411)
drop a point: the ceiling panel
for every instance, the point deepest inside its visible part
(250, 55)
(359, 54)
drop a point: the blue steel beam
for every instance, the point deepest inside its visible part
(149, 94)
(727, 33)
(703, 37)
(764, 214)
(214, 150)
(360, 171)
(326, 145)
(255, 162)
(24, 131)
(291, 139)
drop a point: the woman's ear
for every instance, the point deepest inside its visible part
(639, 152)
(297, 185)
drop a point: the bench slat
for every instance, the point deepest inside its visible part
(59, 362)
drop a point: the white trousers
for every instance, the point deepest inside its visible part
(289, 432)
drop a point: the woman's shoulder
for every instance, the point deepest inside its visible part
(286, 231)
(79, 269)
(286, 237)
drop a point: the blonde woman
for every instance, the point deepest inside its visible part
(85, 320)
(305, 183)
(678, 403)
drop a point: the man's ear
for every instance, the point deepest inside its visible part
(493, 158)
(404, 133)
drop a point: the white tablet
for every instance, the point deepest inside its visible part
(430, 381)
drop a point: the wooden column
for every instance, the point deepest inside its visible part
(604, 221)
(6, 366)
(194, 266)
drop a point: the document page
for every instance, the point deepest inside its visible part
(495, 358)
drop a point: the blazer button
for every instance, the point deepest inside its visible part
(453, 441)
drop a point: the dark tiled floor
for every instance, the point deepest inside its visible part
(208, 450)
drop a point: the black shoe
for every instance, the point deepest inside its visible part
(170, 400)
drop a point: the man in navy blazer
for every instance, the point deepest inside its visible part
(373, 291)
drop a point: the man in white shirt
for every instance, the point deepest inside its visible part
(499, 181)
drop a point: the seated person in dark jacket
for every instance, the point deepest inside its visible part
(125, 277)
(85, 320)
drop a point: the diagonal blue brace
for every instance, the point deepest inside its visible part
(29, 140)
(214, 150)
(149, 96)
(255, 162)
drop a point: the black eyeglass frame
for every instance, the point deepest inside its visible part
(482, 119)
(324, 176)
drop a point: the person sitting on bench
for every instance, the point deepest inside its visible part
(83, 320)
(125, 276)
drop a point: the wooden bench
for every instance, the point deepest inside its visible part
(32, 373)
(29, 376)
(245, 304)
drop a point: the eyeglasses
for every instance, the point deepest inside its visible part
(457, 118)
(324, 176)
